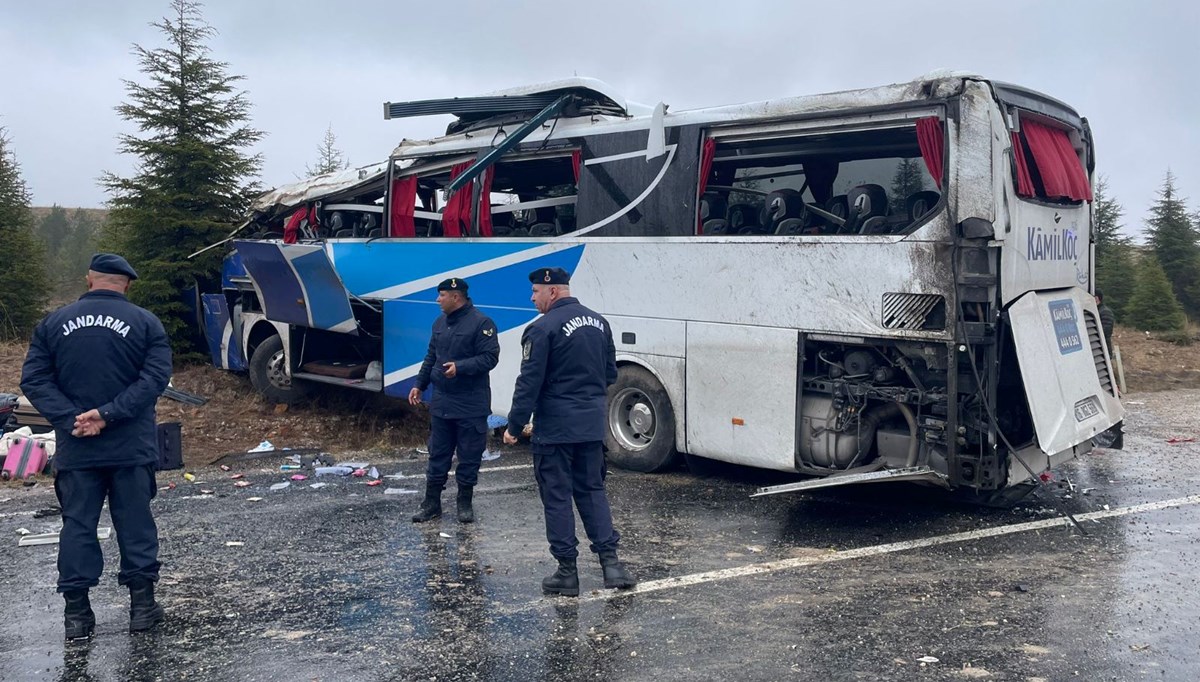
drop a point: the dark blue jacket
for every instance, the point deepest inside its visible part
(568, 363)
(100, 352)
(467, 338)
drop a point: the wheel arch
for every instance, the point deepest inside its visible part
(669, 373)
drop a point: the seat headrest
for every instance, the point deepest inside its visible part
(783, 204)
(920, 203)
(870, 200)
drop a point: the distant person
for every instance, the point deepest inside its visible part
(1107, 319)
(463, 349)
(569, 361)
(95, 369)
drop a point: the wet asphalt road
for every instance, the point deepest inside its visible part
(337, 584)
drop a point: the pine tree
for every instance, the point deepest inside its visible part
(1153, 306)
(908, 179)
(54, 229)
(1115, 261)
(23, 286)
(194, 175)
(1176, 245)
(329, 158)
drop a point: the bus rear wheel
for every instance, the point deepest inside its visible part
(641, 423)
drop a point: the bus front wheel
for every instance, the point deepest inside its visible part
(641, 423)
(269, 375)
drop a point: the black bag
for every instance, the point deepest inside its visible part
(170, 449)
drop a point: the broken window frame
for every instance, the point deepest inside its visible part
(432, 167)
(797, 130)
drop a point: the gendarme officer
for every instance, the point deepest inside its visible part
(568, 362)
(462, 350)
(95, 369)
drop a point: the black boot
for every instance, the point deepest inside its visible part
(615, 574)
(466, 514)
(431, 508)
(78, 619)
(565, 580)
(144, 612)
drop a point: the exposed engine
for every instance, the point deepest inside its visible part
(864, 408)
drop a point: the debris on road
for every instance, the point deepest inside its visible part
(1176, 441)
(333, 471)
(299, 477)
(928, 659)
(235, 543)
(375, 482)
(242, 484)
(280, 486)
(30, 539)
(400, 491)
(264, 446)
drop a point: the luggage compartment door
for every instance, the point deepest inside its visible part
(297, 285)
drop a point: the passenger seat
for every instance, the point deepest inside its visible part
(868, 210)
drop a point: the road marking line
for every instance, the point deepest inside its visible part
(876, 550)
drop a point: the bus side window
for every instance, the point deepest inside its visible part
(533, 196)
(862, 182)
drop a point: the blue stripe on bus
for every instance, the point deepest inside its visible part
(366, 267)
(501, 294)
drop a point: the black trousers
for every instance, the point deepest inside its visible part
(466, 436)
(81, 494)
(574, 471)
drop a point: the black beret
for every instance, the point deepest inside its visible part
(453, 284)
(550, 276)
(112, 264)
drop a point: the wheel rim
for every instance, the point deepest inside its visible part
(632, 419)
(277, 371)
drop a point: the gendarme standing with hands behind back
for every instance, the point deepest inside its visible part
(95, 369)
(568, 362)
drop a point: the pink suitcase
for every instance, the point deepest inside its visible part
(25, 458)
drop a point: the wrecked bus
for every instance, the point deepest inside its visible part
(881, 284)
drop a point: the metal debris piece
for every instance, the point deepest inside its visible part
(32, 539)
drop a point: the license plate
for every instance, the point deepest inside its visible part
(1086, 409)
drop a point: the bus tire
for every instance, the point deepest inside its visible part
(641, 424)
(269, 375)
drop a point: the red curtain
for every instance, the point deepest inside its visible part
(576, 163)
(707, 152)
(485, 202)
(1024, 181)
(1057, 163)
(291, 231)
(933, 146)
(404, 203)
(458, 212)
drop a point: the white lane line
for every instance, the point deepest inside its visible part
(876, 550)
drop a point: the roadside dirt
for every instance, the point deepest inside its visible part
(236, 419)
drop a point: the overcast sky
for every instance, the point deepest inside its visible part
(1130, 67)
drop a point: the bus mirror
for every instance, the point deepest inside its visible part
(976, 228)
